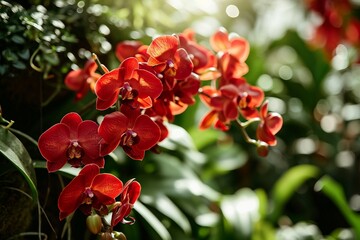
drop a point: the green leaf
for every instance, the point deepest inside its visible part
(241, 210)
(18, 39)
(52, 58)
(19, 65)
(335, 192)
(12, 148)
(285, 187)
(67, 170)
(164, 205)
(9, 55)
(263, 202)
(178, 137)
(224, 158)
(24, 54)
(300, 231)
(203, 138)
(263, 230)
(152, 220)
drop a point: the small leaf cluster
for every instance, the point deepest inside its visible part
(34, 36)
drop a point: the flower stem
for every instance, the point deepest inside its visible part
(102, 67)
(244, 133)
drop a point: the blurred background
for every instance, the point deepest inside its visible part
(204, 184)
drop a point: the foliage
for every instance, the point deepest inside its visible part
(204, 184)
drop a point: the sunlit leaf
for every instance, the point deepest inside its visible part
(263, 202)
(178, 137)
(12, 148)
(263, 230)
(224, 158)
(164, 205)
(241, 211)
(288, 183)
(300, 231)
(152, 220)
(67, 170)
(203, 138)
(335, 192)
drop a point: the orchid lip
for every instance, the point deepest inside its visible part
(129, 138)
(74, 150)
(170, 64)
(88, 196)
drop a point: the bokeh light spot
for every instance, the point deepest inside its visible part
(265, 82)
(232, 11)
(285, 72)
(329, 123)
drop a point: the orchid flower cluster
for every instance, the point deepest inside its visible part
(339, 25)
(152, 85)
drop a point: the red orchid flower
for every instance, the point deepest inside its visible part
(250, 98)
(269, 125)
(82, 80)
(237, 47)
(183, 94)
(129, 84)
(333, 30)
(90, 189)
(128, 197)
(168, 59)
(353, 32)
(223, 104)
(72, 140)
(134, 134)
(204, 60)
(231, 68)
(127, 49)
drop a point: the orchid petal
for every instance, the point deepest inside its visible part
(274, 122)
(240, 48)
(106, 187)
(163, 48)
(72, 120)
(184, 65)
(89, 138)
(53, 144)
(128, 66)
(134, 152)
(208, 120)
(219, 41)
(107, 85)
(75, 80)
(148, 132)
(72, 195)
(112, 126)
(150, 85)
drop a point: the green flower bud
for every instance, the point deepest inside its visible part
(93, 223)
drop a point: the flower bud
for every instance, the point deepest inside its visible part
(120, 236)
(106, 236)
(262, 148)
(93, 223)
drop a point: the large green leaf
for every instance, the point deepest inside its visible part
(285, 187)
(12, 148)
(67, 170)
(241, 211)
(299, 231)
(167, 207)
(334, 191)
(152, 220)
